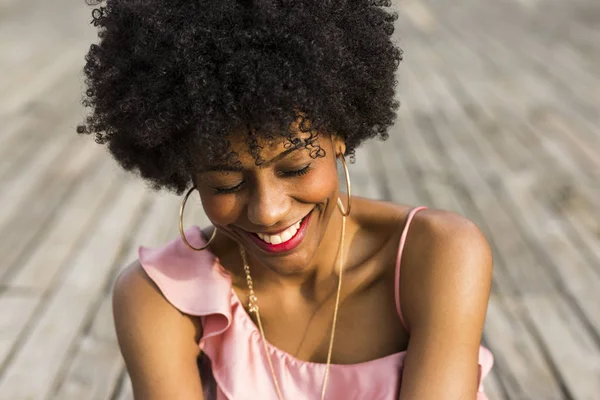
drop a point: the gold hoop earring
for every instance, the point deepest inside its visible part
(345, 212)
(182, 233)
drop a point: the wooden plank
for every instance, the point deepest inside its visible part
(572, 197)
(580, 212)
(48, 119)
(503, 231)
(420, 14)
(510, 45)
(573, 139)
(566, 158)
(498, 234)
(432, 175)
(431, 162)
(532, 235)
(20, 60)
(512, 148)
(97, 366)
(492, 387)
(444, 196)
(103, 327)
(21, 228)
(569, 157)
(5, 4)
(20, 93)
(27, 172)
(75, 216)
(163, 217)
(581, 280)
(386, 166)
(33, 370)
(364, 183)
(570, 346)
(44, 125)
(525, 374)
(437, 179)
(16, 309)
(17, 189)
(519, 357)
(43, 268)
(10, 128)
(126, 390)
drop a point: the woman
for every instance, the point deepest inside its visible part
(297, 291)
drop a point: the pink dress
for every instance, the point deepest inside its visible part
(237, 368)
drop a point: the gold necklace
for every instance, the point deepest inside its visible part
(253, 307)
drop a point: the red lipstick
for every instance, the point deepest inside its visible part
(291, 244)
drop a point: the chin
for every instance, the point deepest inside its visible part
(290, 264)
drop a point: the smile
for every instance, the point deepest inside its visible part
(281, 237)
(284, 240)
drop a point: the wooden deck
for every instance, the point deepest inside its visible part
(500, 122)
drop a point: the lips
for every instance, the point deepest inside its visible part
(283, 241)
(282, 236)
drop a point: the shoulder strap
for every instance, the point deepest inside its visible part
(409, 219)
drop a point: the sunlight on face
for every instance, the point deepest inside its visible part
(278, 210)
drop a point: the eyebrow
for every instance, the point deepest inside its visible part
(235, 168)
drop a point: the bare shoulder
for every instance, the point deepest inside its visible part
(434, 232)
(379, 217)
(446, 261)
(135, 293)
(446, 231)
(159, 343)
(131, 283)
(440, 234)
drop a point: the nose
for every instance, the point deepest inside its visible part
(268, 204)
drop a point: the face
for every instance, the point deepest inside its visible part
(278, 211)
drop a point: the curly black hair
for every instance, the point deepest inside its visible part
(170, 79)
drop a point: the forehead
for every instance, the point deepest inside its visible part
(253, 147)
(245, 144)
(248, 151)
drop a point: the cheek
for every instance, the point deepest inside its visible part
(221, 210)
(319, 186)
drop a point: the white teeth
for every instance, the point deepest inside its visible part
(276, 239)
(286, 235)
(281, 237)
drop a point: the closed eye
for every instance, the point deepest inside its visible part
(229, 189)
(286, 174)
(298, 172)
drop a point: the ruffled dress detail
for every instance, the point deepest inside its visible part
(236, 367)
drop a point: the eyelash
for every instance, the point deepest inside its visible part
(229, 190)
(298, 172)
(287, 174)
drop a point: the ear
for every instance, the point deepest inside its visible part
(338, 144)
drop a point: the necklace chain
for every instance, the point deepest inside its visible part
(253, 307)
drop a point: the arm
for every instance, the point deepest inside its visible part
(158, 342)
(445, 287)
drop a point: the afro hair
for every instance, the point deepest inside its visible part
(169, 80)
